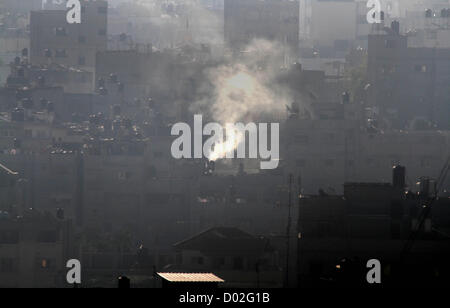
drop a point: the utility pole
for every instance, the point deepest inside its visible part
(298, 237)
(288, 232)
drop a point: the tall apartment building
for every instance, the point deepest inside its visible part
(408, 83)
(53, 40)
(275, 20)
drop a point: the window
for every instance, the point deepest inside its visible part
(361, 19)
(421, 68)
(329, 137)
(218, 262)
(157, 198)
(323, 229)
(158, 154)
(301, 163)
(123, 176)
(7, 265)
(238, 263)
(81, 60)
(396, 210)
(395, 231)
(7, 133)
(197, 260)
(390, 44)
(9, 237)
(60, 53)
(432, 35)
(44, 263)
(425, 162)
(60, 31)
(301, 139)
(49, 236)
(221, 261)
(329, 162)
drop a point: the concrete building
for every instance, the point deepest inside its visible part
(35, 249)
(71, 80)
(273, 20)
(339, 234)
(53, 40)
(329, 29)
(329, 152)
(170, 79)
(241, 259)
(408, 84)
(323, 23)
(12, 44)
(9, 195)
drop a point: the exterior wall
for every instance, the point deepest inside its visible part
(276, 20)
(318, 151)
(430, 38)
(327, 153)
(165, 78)
(237, 271)
(22, 6)
(73, 45)
(11, 46)
(370, 221)
(333, 21)
(420, 75)
(77, 82)
(29, 259)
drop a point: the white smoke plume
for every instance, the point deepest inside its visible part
(245, 88)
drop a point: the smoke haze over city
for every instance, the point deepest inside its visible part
(199, 147)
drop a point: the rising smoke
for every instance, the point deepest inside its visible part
(243, 87)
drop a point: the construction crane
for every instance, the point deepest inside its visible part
(425, 211)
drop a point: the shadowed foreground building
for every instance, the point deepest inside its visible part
(34, 250)
(339, 234)
(241, 259)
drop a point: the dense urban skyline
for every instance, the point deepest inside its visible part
(224, 144)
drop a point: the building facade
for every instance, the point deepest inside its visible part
(273, 20)
(53, 40)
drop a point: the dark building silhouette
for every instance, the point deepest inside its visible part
(339, 234)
